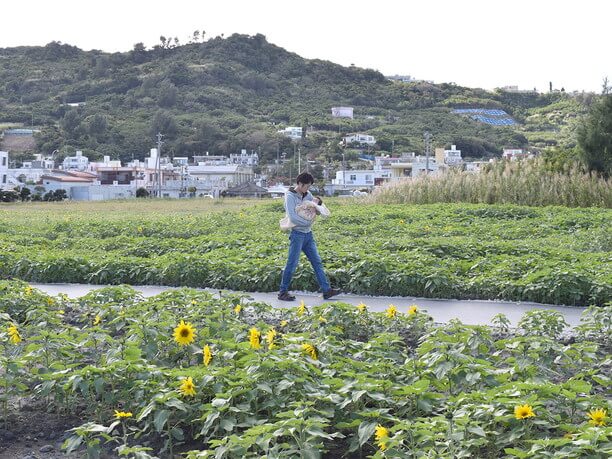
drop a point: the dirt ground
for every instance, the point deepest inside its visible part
(32, 433)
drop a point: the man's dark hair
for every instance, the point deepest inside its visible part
(304, 178)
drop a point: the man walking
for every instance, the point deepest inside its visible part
(301, 240)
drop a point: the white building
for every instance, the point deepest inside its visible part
(514, 154)
(358, 138)
(180, 161)
(223, 176)
(106, 162)
(39, 162)
(30, 171)
(421, 165)
(210, 160)
(66, 180)
(3, 169)
(360, 178)
(384, 162)
(414, 168)
(78, 162)
(245, 159)
(278, 191)
(293, 132)
(475, 166)
(99, 192)
(342, 112)
(450, 157)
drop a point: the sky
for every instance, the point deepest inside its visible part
(474, 43)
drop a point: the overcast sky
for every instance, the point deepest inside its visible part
(473, 43)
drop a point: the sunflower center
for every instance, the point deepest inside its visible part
(184, 333)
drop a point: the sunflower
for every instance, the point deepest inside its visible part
(188, 387)
(28, 290)
(362, 308)
(255, 338)
(322, 320)
(301, 310)
(523, 412)
(283, 323)
(412, 309)
(184, 333)
(382, 435)
(271, 338)
(97, 320)
(237, 309)
(122, 414)
(14, 336)
(311, 350)
(391, 311)
(208, 356)
(597, 417)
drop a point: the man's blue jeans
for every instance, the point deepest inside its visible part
(298, 243)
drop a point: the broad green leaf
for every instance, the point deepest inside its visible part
(365, 431)
(160, 419)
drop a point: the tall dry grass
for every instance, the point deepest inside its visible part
(527, 182)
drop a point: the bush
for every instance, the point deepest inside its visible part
(142, 193)
(8, 196)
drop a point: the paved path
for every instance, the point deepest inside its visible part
(474, 312)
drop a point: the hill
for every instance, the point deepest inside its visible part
(225, 94)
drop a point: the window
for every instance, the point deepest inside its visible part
(4, 160)
(3, 178)
(368, 178)
(353, 177)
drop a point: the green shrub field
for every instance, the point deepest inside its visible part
(467, 251)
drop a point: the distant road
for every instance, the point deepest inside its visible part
(474, 312)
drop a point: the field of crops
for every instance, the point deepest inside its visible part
(187, 373)
(550, 255)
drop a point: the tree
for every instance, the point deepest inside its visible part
(8, 196)
(24, 194)
(164, 123)
(71, 123)
(142, 193)
(97, 126)
(139, 53)
(167, 95)
(595, 136)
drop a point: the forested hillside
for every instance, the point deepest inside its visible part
(225, 94)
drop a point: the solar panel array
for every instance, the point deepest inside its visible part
(494, 117)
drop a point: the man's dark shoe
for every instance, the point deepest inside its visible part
(284, 296)
(331, 292)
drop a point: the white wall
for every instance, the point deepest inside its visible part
(4, 179)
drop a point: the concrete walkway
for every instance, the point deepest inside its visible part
(474, 312)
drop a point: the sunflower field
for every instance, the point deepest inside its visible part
(188, 374)
(551, 255)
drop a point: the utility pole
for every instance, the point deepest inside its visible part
(343, 173)
(158, 164)
(299, 160)
(427, 151)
